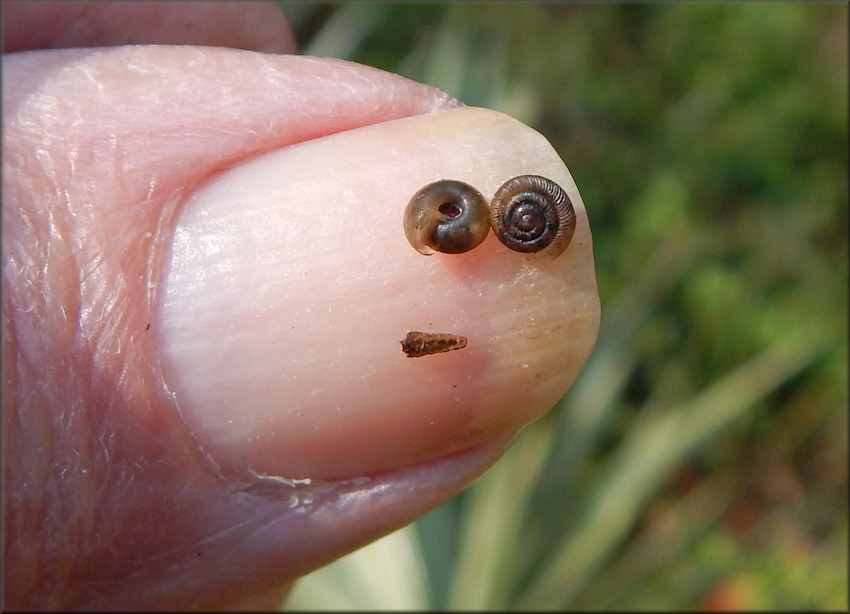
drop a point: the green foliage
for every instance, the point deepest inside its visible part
(700, 459)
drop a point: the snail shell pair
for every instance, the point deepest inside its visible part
(529, 213)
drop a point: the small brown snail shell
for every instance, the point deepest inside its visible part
(446, 216)
(531, 213)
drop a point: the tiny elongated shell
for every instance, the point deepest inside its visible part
(417, 344)
(531, 213)
(446, 216)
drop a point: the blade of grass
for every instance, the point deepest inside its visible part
(593, 397)
(652, 450)
(385, 575)
(449, 56)
(492, 526)
(343, 33)
(660, 545)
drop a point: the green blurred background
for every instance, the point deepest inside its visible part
(700, 461)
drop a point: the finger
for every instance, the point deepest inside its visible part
(258, 26)
(144, 509)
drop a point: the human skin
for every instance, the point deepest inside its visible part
(188, 426)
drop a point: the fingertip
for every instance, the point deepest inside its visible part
(291, 283)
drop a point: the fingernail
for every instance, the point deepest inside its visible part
(291, 284)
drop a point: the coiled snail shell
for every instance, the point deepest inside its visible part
(531, 213)
(446, 216)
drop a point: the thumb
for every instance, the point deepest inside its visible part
(205, 283)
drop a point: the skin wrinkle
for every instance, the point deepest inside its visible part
(171, 560)
(33, 368)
